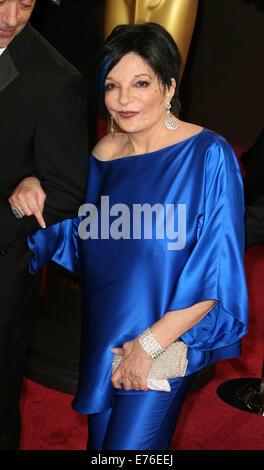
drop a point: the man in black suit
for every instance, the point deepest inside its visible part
(43, 130)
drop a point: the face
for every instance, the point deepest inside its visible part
(14, 15)
(134, 96)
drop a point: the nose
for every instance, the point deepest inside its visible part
(10, 15)
(125, 96)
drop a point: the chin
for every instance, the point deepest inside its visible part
(4, 42)
(131, 130)
(129, 127)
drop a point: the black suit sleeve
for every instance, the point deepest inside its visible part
(61, 150)
(12, 228)
(61, 159)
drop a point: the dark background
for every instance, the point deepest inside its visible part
(222, 86)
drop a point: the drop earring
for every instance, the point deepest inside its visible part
(170, 122)
(112, 126)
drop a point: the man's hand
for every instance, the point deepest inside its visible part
(29, 198)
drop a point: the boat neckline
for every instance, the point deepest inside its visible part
(149, 153)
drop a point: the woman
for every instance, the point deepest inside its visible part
(161, 244)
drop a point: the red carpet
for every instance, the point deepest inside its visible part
(206, 422)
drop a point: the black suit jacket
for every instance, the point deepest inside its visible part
(43, 130)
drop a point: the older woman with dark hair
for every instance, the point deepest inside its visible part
(159, 248)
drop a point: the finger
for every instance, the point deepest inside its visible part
(132, 383)
(37, 213)
(20, 205)
(136, 386)
(11, 201)
(115, 379)
(16, 213)
(144, 384)
(22, 208)
(116, 384)
(139, 384)
(144, 387)
(35, 210)
(118, 351)
(41, 197)
(25, 209)
(127, 384)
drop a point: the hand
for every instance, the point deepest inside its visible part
(29, 198)
(134, 368)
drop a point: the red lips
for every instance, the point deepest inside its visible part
(127, 114)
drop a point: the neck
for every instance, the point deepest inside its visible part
(147, 141)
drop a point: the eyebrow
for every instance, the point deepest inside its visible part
(135, 76)
(140, 75)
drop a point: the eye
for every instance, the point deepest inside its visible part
(109, 86)
(142, 84)
(26, 6)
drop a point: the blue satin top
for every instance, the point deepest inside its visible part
(135, 268)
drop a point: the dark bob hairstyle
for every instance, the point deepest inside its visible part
(151, 42)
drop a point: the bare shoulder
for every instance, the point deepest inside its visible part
(187, 129)
(109, 146)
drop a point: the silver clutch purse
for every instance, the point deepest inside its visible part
(172, 363)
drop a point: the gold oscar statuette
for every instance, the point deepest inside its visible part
(176, 16)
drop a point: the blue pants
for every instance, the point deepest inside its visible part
(139, 420)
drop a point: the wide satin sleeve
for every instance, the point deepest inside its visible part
(58, 243)
(215, 267)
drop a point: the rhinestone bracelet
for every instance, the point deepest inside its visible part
(150, 344)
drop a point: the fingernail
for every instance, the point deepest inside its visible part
(43, 226)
